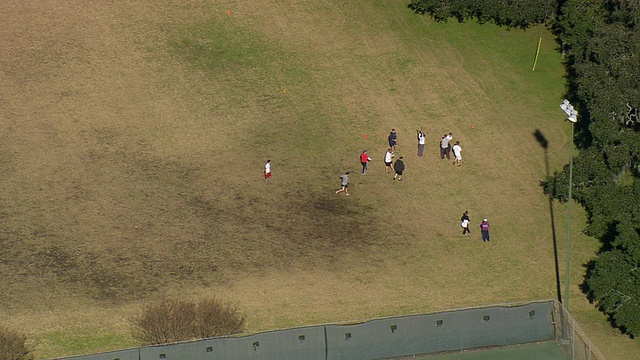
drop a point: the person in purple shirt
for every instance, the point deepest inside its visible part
(484, 227)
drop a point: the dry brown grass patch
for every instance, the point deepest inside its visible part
(13, 346)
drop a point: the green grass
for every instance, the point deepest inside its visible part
(81, 342)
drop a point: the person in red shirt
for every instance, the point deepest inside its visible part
(364, 160)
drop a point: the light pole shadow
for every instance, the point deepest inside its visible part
(544, 143)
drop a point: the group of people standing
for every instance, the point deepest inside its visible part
(398, 169)
(484, 227)
(398, 166)
(445, 149)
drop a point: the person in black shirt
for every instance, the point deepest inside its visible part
(398, 167)
(465, 223)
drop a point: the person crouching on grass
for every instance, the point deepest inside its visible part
(344, 182)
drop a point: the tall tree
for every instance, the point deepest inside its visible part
(602, 38)
(513, 13)
(602, 41)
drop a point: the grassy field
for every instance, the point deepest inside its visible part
(134, 135)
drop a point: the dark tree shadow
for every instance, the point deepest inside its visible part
(544, 143)
(589, 267)
(607, 245)
(609, 237)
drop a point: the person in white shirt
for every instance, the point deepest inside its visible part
(457, 152)
(421, 141)
(267, 172)
(445, 147)
(388, 158)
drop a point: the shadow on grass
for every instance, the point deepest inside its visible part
(544, 143)
(590, 267)
(607, 245)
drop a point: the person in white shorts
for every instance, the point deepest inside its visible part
(457, 152)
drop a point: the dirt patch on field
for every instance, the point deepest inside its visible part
(133, 136)
(115, 178)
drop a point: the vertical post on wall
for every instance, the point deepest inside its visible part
(572, 116)
(573, 339)
(566, 285)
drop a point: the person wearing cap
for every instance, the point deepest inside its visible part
(484, 227)
(364, 159)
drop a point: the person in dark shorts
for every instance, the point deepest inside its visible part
(398, 167)
(445, 146)
(388, 159)
(364, 160)
(484, 227)
(344, 183)
(465, 223)
(393, 140)
(421, 142)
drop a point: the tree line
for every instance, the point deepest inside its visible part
(601, 43)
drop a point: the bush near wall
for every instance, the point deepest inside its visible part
(13, 346)
(171, 320)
